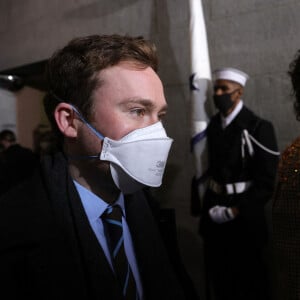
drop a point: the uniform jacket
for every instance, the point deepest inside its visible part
(227, 166)
(286, 226)
(49, 251)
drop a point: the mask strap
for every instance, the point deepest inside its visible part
(97, 133)
(82, 157)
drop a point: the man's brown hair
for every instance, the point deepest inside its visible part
(72, 71)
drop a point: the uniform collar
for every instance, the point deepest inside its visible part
(225, 121)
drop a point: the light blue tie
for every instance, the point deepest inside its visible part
(112, 220)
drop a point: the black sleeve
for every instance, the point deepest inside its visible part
(263, 167)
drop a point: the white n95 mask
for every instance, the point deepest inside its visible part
(142, 154)
(138, 159)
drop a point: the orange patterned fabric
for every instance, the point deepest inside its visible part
(286, 224)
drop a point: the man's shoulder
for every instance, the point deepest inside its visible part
(252, 121)
(24, 191)
(249, 114)
(19, 152)
(214, 120)
(26, 219)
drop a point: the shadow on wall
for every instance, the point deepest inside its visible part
(98, 9)
(189, 242)
(169, 73)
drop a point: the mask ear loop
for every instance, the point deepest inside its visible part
(97, 133)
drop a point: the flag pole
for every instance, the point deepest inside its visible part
(200, 81)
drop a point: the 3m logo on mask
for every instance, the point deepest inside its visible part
(159, 168)
(160, 164)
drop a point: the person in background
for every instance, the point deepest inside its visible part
(82, 227)
(285, 209)
(44, 140)
(17, 162)
(243, 158)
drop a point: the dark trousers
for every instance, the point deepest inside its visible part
(235, 270)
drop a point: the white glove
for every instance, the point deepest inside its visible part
(221, 214)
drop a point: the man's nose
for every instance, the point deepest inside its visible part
(154, 119)
(218, 91)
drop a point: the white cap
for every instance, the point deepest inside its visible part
(232, 75)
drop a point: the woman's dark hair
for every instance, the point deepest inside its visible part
(294, 73)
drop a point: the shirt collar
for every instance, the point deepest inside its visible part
(93, 205)
(228, 119)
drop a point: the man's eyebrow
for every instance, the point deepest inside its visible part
(144, 102)
(221, 86)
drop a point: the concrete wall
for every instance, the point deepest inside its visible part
(7, 110)
(260, 37)
(257, 36)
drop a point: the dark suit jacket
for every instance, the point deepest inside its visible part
(227, 166)
(49, 251)
(16, 164)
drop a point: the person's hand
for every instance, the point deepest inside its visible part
(221, 214)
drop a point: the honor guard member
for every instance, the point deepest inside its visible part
(243, 160)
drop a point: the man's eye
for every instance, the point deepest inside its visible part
(161, 116)
(138, 111)
(223, 88)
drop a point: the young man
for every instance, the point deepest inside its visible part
(106, 103)
(243, 159)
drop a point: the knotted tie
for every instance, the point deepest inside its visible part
(112, 220)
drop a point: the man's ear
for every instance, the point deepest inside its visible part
(241, 91)
(65, 119)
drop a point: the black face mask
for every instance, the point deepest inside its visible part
(223, 102)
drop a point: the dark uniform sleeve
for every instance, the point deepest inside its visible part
(263, 166)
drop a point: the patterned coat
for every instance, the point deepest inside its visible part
(286, 224)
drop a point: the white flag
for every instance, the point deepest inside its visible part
(200, 82)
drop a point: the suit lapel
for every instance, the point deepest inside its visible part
(93, 268)
(55, 177)
(156, 272)
(100, 277)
